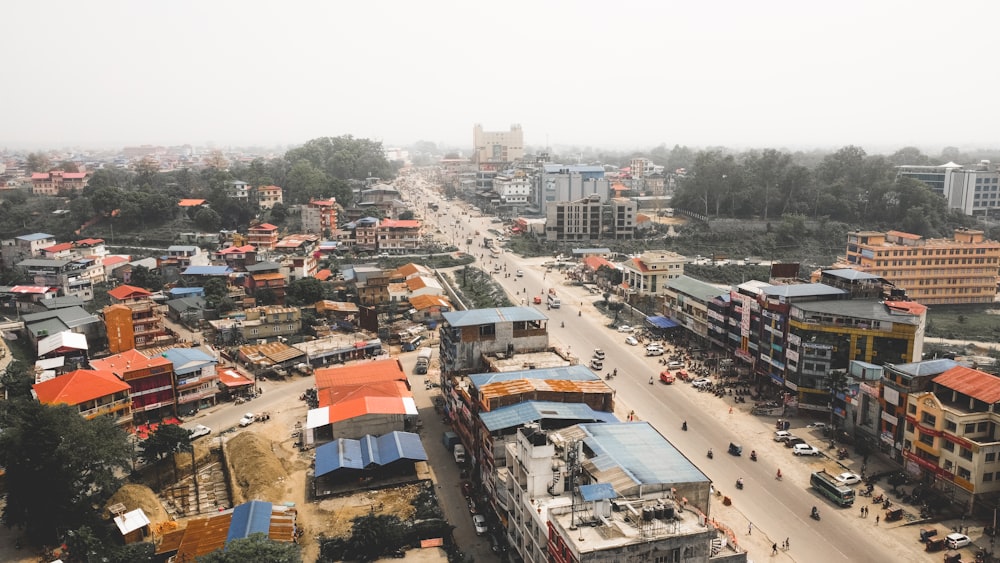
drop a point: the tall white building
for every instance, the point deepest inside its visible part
(972, 190)
(497, 147)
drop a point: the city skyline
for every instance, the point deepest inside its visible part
(789, 75)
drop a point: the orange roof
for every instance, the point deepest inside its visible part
(128, 361)
(595, 263)
(400, 223)
(191, 202)
(264, 227)
(123, 292)
(911, 307)
(232, 378)
(901, 234)
(972, 382)
(639, 265)
(379, 370)
(269, 188)
(112, 260)
(323, 275)
(323, 202)
(89, 242)
(59, 247)
(421, 302)
(79, 386)
(411, 269)
(351, 401)
(237, 249)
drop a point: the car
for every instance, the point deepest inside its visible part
(957, 540)
(536, 300)
(625, 328)
(818, 425)
(675, 365)
(598, 353)
(479, 521)
(654, 350)
(701, 382)
(782, 436)
(666, 377)
(596, 364)
(247, 419)
(804, 449)
(383, 254)
(520, 273)
(497, 267)
(631, 341)
(793, 441)
(847, 478)
(199, 431)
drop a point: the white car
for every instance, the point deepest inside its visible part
(804, 449)
(598, 353)
(819, 425)
(782, 436)
(847, 478)
(701, 382)
(479, 521)
(631, 341)
(247, 419)
(520, 273)
(199, 431)
(625, 328)
(654, 351)
(956, 541)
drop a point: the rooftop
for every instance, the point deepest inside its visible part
(78, 387)
(514, 416)
(860, 309)
(696, 288)
(971, 382)
(476, 317)
(803, 290)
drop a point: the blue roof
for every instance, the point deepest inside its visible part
(179, 291)
(597, 491)
(925, 368)
(344, 453)
(35, 236)
(802, 290)
(568, 373)
(637, 449)
(186, 360)
(520, 414)
(661, 322)
(249, 518)
(207, 271)
(476, 317)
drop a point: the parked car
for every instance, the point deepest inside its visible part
(666, 377)
(782, 435)
(598, 353)
(819, 425)
(957, 540)
(625, 328)
(794, 441)
(847, 478)
(247, 419)
(654, 350)
(804, 449)
(676, 365)
(701, 382)
(596, 364)
(631, 341)
(199, 431)
(479, 521)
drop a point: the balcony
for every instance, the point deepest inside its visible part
(197, 395)
(107, 408)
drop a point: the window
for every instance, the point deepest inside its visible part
(970, 428)
(964, 473)
(965, 453)
(928, 419)
(990, 457)
(949, 446)
(982, 426)
(926, 439)
(987, 477)
(950, 426)
(912, 409)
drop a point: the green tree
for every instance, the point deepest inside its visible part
(255, 547)
(17, 380)
(166, 440)
(60, 466)
(147, 279)
(305, 291)
(215, 290)
(406, 215)
(206, 218)
(68, 166)
(37, 162)
(278, 213)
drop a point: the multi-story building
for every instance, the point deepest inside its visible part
(687, 300)
(580, 220)
(497, 147)
(366, 234)
(265, 276)
(623, 218)
(513, 192)
(898, 382)
(74, 277)
(25, 246)
(320, 216)
(267, 196)
(569, 182)
(136, 324)
(262, 323)
(973, 190)
(649, 273)
(56, 182)
(467, 336)
(238, 190)
(151, 383)
(952, 437)
(263, 237)
(962, 269)
(399, 236)
(236, 257)
(94, 392)
(196, 376)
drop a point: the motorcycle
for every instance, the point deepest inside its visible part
(650, 380)
(739, 484)
(753, 455)
(815, 514)
(684, 426)
(710, 454)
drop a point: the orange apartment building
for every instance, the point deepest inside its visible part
(51, 183)
(320, 216)
(401, 236)
(263, 236)
(962, 269)
(133, 321)
(94, 392)
(151, 383)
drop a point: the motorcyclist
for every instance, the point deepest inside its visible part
(710, 454)
(739, 483)
(778, 476)
(562, 324)
(614, 372)
(684, 425)
(753, 455)
(815, 512)
(651, 380)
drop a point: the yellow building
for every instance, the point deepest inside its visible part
(962, 269)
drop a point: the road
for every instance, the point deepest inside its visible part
(780, 508)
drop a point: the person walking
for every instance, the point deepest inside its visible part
(774, 549)
(749, 528)
(787, 545)
(876, 519)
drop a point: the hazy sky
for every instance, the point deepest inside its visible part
(615, 74)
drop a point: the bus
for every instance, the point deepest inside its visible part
(830, 488)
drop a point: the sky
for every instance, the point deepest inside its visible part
(617, 75)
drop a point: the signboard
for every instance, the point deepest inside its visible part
(887, 438)
(891, 395)
(890, 418)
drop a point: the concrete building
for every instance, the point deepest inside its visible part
(569, 182)
(973, 190)
(136, 324)
(959, 270)
(238, 190)
(320, 216)
(399, 236)
(497, 147)
(898, 382)
(74, 277)
(94, 392)
(263, 237)
(197, 379)
(513, 193)
(951, 436)
(686, 301)
(267, 196)
(25, 246)
(260, 323)
(151, 383)
(467, 336)
(649, 273)
(56, 182)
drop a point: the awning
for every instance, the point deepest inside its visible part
(661, 322)
(232, 378)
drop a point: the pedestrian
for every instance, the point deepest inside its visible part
(876, 519)
(787, 545)
(730, 410)
(774, 549)
(862, 512)
(749, 528)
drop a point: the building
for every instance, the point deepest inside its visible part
(265, 277)
(320, 216)
(649, 273)
(196, 376)
(135, 324)
(513, 193)
(898, 382)
(687, 301)
(263, 237)
(236, 257)
(267, 196)
(951, 437)
(25, 246)
(495, 148)
(569, 182)
(56, 182)
(205, 535)
(468, 336)
(238, 190)
(94, 392)
(151, 383)
(259, 323)
(73, 277)
(959, 270)
(973, 190)
(399, 236)
(579, 220)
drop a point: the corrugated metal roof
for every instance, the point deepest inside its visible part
(976, 384)
(251, 518)
(850, 274)
(597, 491)
(368, 451)
(570, 373)
(803, 290)
(35, 236)
(207, 271)
(695, 288)
(924, 368)
(860, 309)
(187, 360)
(79, 386)
(476, 317)
(532, 411)
(365, 372)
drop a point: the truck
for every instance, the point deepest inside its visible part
(424, 360)
(450, 439)
(553, 300)
(459, 453)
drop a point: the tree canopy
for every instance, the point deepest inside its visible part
(255, 547)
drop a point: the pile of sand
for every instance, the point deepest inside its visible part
(257, 472)
(139, 496)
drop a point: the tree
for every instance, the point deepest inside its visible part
(278, 213)
(60, 466)
(306, 290)
(17, 380)
(207, 219)
(167, 439)
(147, 279)
(68, 166)
(255, 547)
(406, 215)
(37, 162)
(215, 290)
